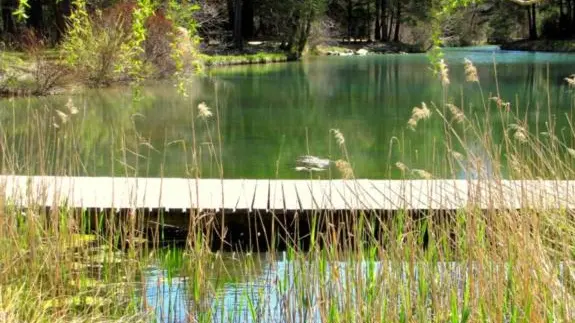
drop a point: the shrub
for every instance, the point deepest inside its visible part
(39, 74)
(107, 46)
(47, 73)
(158, 44)
(93, 44)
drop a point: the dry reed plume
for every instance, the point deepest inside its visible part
(204, 111)
(443, 73)
(519, 132)
(344, 168)
(402, 167)
(339, 138)
(72, 109)
(418, 114)
(470, 71)
(63, 116)
(500, 103)
(422, 173)
(457, 114)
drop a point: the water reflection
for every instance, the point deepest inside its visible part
(275, 295)
(271, 114)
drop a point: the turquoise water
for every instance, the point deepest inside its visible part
(268, 115)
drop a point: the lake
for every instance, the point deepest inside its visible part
(271, 114)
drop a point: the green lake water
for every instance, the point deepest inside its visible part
(271, 114)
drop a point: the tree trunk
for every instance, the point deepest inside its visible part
(368, 22)
(533, 23)
(529, 21)
(384, 36)
(349, 19)
(397, 22)
(230, 6)
(569, 14)
(62, 11)
(238, 41)
(572, 14)
(36, 16)
(377, 20)
(8, 25)
(248, 19)
(390, 23)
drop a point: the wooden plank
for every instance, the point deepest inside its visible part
(276, 196)
(352, 195)
(178, 194)
(368, 195)
(246, 195)
(232, 191)
(306, 200)
(233, 194)
(290, 194)
(560, 194)
(261, 195)
(325, 194)
(210, 195)
(438, 195)
(391, 194)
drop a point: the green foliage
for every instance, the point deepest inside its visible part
(440, 11)
(132, 51)
(128, 42)
(503, 24)
(220, 60)
(183, 46)
(20, 12)
(182, 14)
(96, 47)
(305, 13)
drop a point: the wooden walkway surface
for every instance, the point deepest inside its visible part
(284, 195)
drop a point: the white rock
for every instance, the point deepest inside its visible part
(362, 52)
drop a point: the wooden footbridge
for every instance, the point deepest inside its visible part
(232, 195)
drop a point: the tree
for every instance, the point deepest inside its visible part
(35, 19)
(248, 19)
(397, 20)
(238, 37)
(305, 13)
(8, 24)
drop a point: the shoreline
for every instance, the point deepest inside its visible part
(541, 45)
(256, 55)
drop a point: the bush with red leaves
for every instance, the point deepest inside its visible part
(159, 37)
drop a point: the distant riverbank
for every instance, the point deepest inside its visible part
(556, 46)
(22, 74)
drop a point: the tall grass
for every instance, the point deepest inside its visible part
(471, 265)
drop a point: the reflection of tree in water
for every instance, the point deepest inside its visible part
(271, 114)
(223, 285)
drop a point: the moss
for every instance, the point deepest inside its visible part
(258, 58)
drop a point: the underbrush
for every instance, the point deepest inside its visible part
(126, 41)
(476, 264)
(35, 71)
